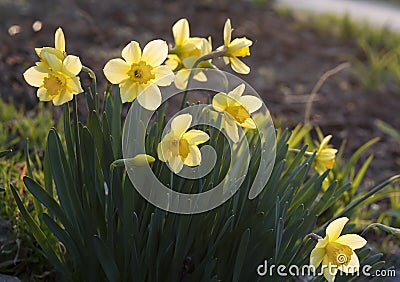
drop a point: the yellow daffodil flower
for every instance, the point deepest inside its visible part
(185, 46)
(179, 146)
(336, 252)
(236, 109)
(182, 76)
(325, 156)
(139, 74)
(238, 47)
(56, 74)
(186, 52)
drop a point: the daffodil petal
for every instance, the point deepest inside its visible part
(54, 62)
(59, 40)
(227, 32)
(149, 97)
(232, 131)
(116, 71)
(354, 241)
(181, 78)
(132, 53)
(180, 124)
(335, 228)
(33, 77)
(200, 76)
(237, 92)
(322, 242)
(128, 91)
(155, 52)
(239, 43)
(194, 156)
(353, 265)
(175, 163)
(62, 98)
(327, 154)
(238, 66)
(196, 137)
(163, 75)
(74, 85)
(329, 270)
(43, 95)
(249, 123)
(160, 152)
(316, 257)
(181, 31)
(325, 142)
(251, 103)
(172, 61)
(72, 65)
(220, 102)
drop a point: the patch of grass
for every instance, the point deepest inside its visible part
(378, 63)
(19, 252)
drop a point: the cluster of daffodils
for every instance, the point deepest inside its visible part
(336, 252)
(56, 74)
(140, 73)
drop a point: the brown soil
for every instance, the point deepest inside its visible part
(286, 60)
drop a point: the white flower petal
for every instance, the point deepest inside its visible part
(149, 97)
(116, 71)
(227, 32)
(54, 62)
(353, 265)
(232, 131)
(155, 52)
(34, 77)
(251, 103)
(249, 123)
(181, 31)
(43, 95)
(335, 228)
(237, 92)
(72, 65)
(59, 40)
(194, 156)
(180, 124)
(175, 163)
(238, 66)
(200, 76)
(74, 85)
(63, 98)
(196, 137)
(128, 91)
(132, 53)
(163, 75)
(316, 257)
(329, 271)
(181, 78)
(354, 241)
(220, 102)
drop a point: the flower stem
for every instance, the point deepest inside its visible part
(92, 75)
(298, 151)
(212, 55)
(314, 236)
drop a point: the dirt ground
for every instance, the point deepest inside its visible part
(286, 60)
